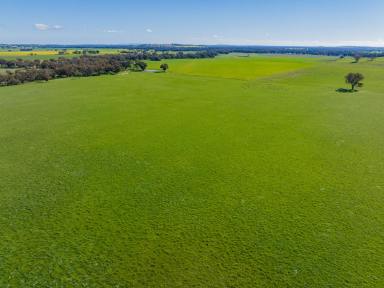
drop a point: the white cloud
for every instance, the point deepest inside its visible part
(42, 27)
(112, 31)
(216, 36)
(149, 30)
(45, 27)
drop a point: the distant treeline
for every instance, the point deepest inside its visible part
(44, 70)
(323, 51)
(222, 49)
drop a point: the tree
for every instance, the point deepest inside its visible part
(354, 79)
(357, 58)
(140, 65)
(43, 75)
(164, 67)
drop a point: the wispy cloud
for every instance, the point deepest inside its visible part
(148, 30)
(45, 27)
(112, 31)
(42, 27)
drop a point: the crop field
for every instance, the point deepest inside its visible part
(46, 54)
(32, 55)
(27, 53)
(226, 172)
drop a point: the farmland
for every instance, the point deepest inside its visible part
(238, 66)
(227, 172)
(45, 54)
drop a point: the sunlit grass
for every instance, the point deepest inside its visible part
(236, 67)
(181, 180)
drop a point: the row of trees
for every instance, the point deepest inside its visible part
(371, 57)
(81, 67)
(158, 56)
(84, 66)
(221, 49)
(61, 68)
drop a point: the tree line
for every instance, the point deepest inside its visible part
(84, 66)
(221, 49)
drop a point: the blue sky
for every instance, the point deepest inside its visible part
(272, 22)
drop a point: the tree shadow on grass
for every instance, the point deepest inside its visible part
(343, 90)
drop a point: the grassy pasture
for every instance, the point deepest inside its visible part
(228, 172)
(235, 67)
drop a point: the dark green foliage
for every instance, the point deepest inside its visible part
(357, 58)
(140, 65)
(164, 67)
(354, 79)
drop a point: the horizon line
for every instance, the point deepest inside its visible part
(189, 44)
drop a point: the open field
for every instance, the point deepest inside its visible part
(243, 68)
(32, 55)
(37, 57)
(227, 172)
(46, 54)
(16, 53)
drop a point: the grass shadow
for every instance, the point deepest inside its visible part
(343, 90)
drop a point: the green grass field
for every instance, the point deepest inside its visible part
(235, 67)
(228, 172)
